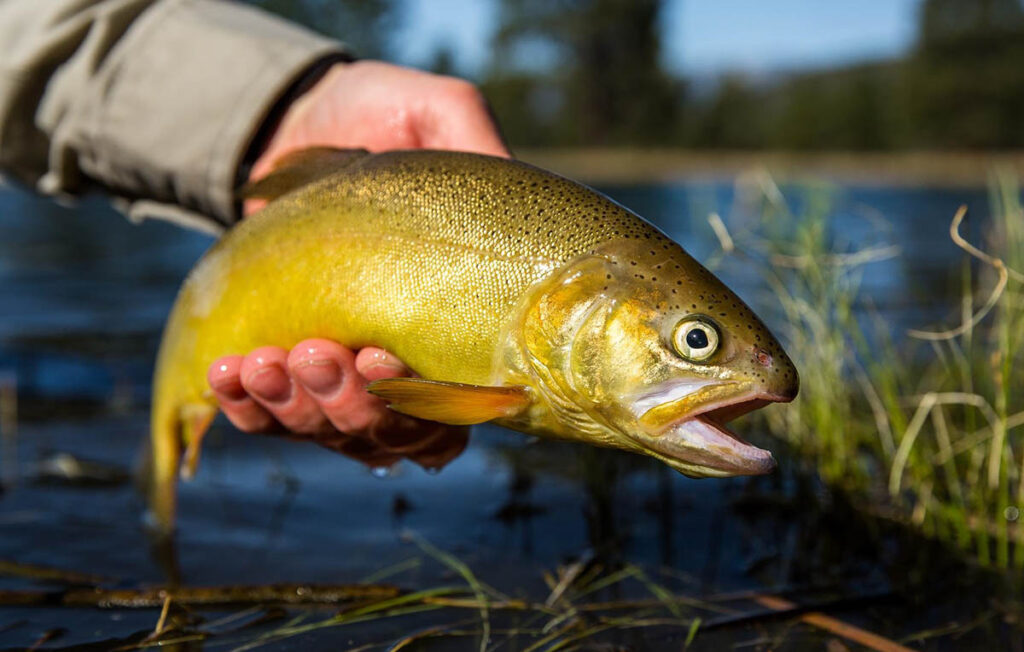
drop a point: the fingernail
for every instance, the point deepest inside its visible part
(270, 383)
(230, 387)
(319, 376)
(381, 360)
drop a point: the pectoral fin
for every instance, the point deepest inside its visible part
(298, 168)
(451, 403)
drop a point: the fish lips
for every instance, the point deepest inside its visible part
(700, 447)
(687, 432)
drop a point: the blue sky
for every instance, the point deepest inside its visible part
(701, 37)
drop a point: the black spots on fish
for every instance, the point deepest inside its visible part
(608, 276)
(633, 263)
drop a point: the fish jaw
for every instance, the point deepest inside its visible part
(686, 430)
(699, 447)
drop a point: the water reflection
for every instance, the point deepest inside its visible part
(430, 445)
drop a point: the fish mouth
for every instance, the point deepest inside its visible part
(697, 443)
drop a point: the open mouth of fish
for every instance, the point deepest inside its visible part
(696, 441)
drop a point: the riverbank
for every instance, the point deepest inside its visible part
(960, 169)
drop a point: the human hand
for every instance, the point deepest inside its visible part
(380, 106)
(376, 106)
(317, 392)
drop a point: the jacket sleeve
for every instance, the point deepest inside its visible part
(155, 100)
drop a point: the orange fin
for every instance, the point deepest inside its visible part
(298, 168)
(196, 420)
(452, 403)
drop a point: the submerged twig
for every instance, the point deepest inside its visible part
(9, 428)
(207, 596)
(47, 574)
(834, 625)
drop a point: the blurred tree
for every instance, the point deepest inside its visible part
(733, 118)
(965, 81)
(443, 61)
(527, 107)
(944, 21)
(600, 79)
(588, 72)
(364, 25)
(851, 109)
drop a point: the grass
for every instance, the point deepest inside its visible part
(587, 601)
(925, 424)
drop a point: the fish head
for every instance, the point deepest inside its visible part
(658, 355)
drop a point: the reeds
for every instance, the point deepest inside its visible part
(925, 424)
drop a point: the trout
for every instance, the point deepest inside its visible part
(517, 296)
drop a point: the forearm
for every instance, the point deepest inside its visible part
(156, 100)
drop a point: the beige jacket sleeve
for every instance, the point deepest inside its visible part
(155, 100)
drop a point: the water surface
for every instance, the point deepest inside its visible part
(83, 295)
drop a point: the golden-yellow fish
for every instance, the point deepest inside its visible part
(518, 296)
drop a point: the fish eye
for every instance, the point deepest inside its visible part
(695, 339)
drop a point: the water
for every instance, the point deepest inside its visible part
(83, 295)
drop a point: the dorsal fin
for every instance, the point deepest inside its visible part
(298, 168)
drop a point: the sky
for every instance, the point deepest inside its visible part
(701, 38)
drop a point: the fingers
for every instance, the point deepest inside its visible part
(374, 364)
(318, 390)
(256, 393)
(265, 376)
(461, 119)
(329, 373)
(240, 408)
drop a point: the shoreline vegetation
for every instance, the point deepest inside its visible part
(636, 166)
(924, 423)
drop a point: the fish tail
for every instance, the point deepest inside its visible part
(181, 413)
(176, 436)
(165, 458)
